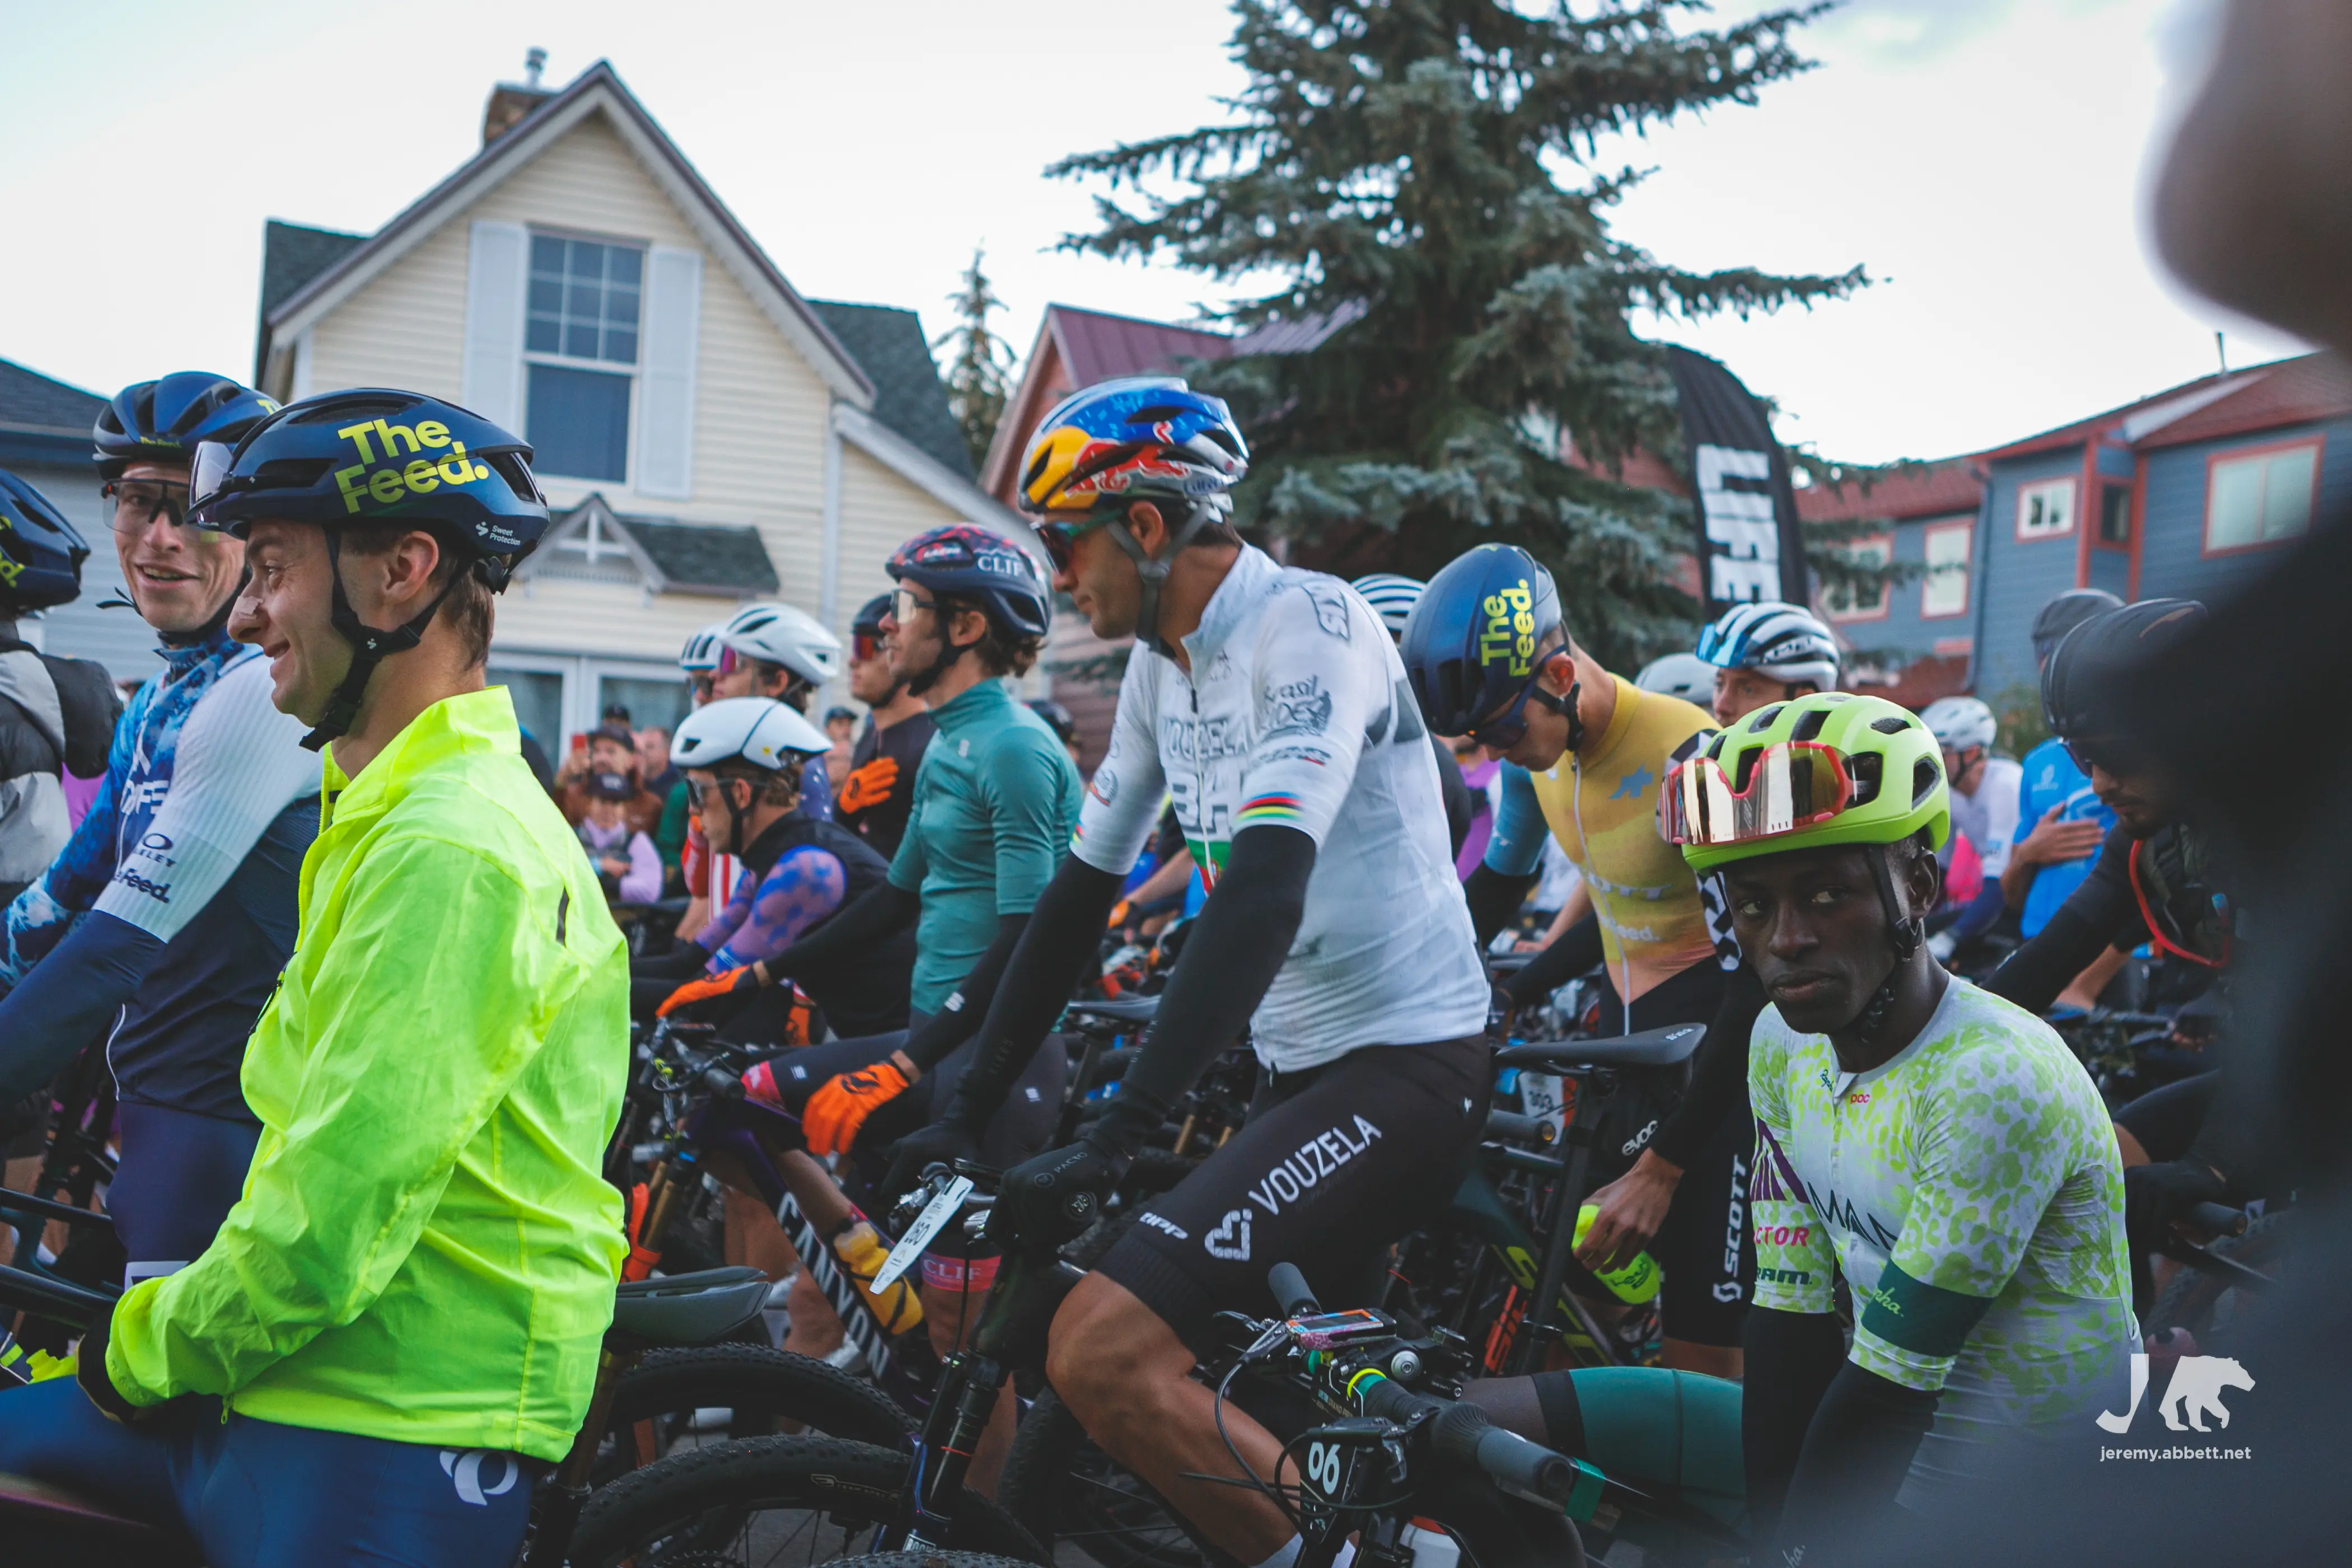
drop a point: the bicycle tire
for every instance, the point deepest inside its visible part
(1063, 1489)
(2193, 1300)
(701, 1500)
(760, 1385)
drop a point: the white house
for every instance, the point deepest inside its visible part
(705, 434)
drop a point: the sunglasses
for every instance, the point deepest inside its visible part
(1509, 726)
(2118, 756)
(139, 502)
(1060, 539)
(865, 646)
(1791, 784)
(903, 604)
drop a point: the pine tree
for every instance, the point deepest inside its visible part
(978, 374)
(1406, 160)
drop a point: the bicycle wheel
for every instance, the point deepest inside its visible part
(770, 1502)
(764, 1391)
(1065, 1491)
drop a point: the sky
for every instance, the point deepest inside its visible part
(1986, 161)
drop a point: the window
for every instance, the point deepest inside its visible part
(1944, 592)
(538, 698)
(583, 324)
(2257, 499)
(2115, 516)
(1868, 601)
(2045, 510)
(653, 703)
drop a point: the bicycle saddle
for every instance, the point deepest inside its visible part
(689, 1309)
(1132, 1010)
(1650, 1047)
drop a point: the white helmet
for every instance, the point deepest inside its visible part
(702, 650)
(780, 634)
(1958, 722)
(1684, 675)
(1391, 597)
(761, 731)
(1780, 642)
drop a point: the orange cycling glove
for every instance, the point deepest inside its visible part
(840, 1106)
(727, 983)
(868, 786)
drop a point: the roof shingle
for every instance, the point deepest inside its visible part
(716, 557)
(889, 344)
(32, 402)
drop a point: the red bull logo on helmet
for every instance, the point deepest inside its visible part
(1510, 628)
(432, 460)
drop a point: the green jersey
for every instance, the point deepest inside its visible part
(1970, 1190)
(995, 800)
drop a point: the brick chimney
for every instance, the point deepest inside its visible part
(511, 101)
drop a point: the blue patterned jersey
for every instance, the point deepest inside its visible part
(208, 804)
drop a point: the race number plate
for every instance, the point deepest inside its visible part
(927, 1224)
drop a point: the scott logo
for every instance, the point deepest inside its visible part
(1510, 628)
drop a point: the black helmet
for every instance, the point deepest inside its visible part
(867, 621)
(983, 566)
(164, 421)
(2066, 611)
(1469, 647)
(40, 553)
(2083, 684)
(1057, 718)
(374, 455)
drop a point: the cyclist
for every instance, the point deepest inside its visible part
(1392, 597)
(1934, 1144)
(56, 715)
(679, 836)
(1684, 675)
(875, 798)
(1768, 652)
(1984, 793)
(163, 922)
(1585, 751)
(742, 758)
(2060, 821)
(398, 1325)
(776, 651)
(1270, 703)
(2157, 881)
(1064, 725)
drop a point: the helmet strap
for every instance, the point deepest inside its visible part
(370, 646)
(923, 680)
(1904, 933)
(1153, 570)
(1566, 708)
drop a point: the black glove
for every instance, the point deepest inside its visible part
(2156, 1195)
(90, 1371)
(940, 1144)
(1055, 1197)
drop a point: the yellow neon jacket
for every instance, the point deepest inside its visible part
(425, 1251)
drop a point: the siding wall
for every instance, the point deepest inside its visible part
(2173, 562)
(2019, 578)
(115, 638)
(1903, 634)
(879, 512)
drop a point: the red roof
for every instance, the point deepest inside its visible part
(1096, 346)
(2292, 392)
(1916, 490)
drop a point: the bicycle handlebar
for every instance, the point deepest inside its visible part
(1462, 1436)
(1290, 1290)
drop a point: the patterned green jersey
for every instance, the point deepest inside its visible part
(1970, 1190)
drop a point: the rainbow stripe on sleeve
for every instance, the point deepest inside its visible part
(1262, 808)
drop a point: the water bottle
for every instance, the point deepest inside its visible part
(1632, 1282)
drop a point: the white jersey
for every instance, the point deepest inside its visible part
(1297, 714)
(1989, 817)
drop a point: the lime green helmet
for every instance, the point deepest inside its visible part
(1893, 762)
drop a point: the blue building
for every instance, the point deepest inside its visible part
(2185, 493)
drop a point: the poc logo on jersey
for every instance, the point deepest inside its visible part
(1510, 628)
(423, 475)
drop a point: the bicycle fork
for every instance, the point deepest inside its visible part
(970, 1384)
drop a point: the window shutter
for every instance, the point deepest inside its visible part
(497, 271)
(666, 380)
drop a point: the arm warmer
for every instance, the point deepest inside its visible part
(1494, 897)
(885, 911)
(2099, 914)
(1577, 950)
(1791, 1360)
(1064, 933)
(967, 1005)
(1857, 1453)
(1455, 791)
(1719, 1076)
(69, 999)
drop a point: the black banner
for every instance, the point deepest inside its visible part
(1748, 544)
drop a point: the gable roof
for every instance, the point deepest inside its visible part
(2290, 391)
(909, 397)
(597, 90)
(664, 556)
(44, 419)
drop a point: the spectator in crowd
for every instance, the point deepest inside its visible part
(611, 748)
(625, 859)
(878, 789)
(653, 766)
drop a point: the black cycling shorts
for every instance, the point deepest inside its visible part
(1330, 1166)
(1705, 1247)
(2166, 1121)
